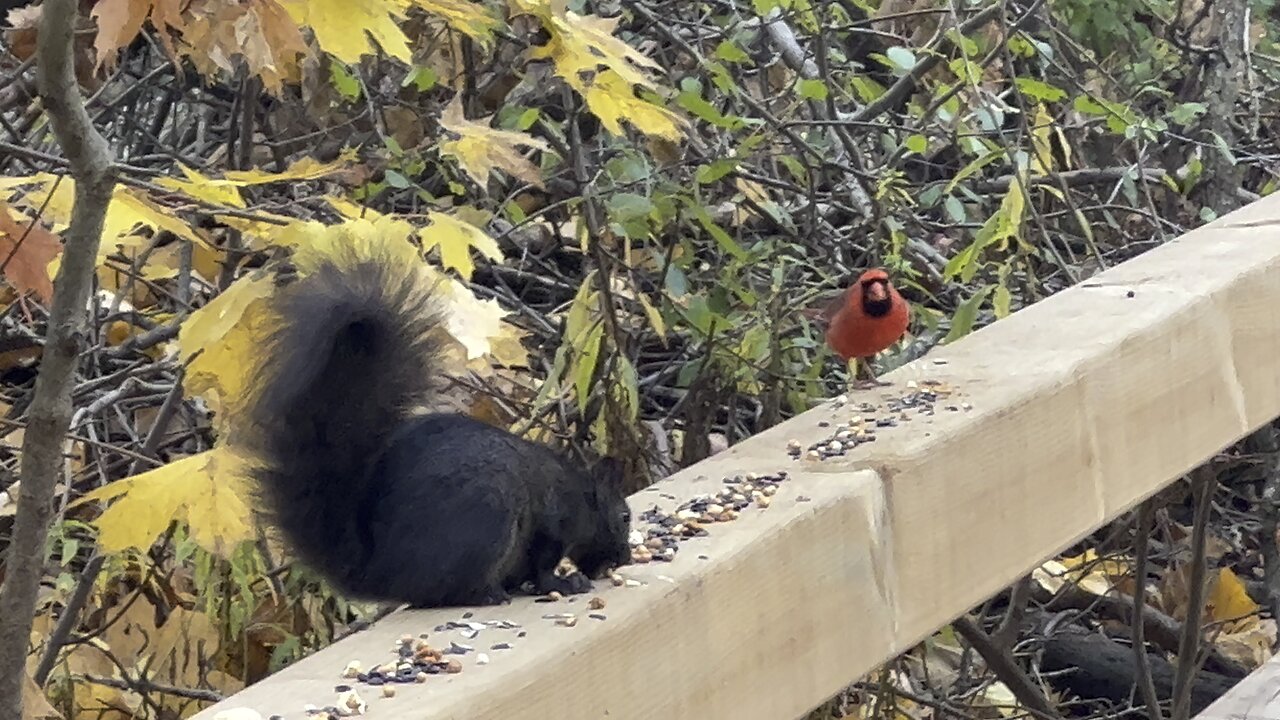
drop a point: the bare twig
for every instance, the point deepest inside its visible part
(1204, 480)
(1145, 683)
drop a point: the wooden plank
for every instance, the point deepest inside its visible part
(1075, 409)
(1254, 698)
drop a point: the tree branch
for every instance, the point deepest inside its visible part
(89, 159)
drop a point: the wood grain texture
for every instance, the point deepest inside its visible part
(1078, 407)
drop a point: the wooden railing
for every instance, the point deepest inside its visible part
(1058, 419)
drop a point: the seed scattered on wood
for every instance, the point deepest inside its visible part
(453, 666)
(482, 659)
(352, 670)
(388, 691)
(596, 603)
(352, 702)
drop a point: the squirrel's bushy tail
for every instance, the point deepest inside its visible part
(353, 351)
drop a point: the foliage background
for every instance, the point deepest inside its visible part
(633, 201)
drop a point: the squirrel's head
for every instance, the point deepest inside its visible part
(608, 546)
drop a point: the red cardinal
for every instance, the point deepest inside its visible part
(866, 319)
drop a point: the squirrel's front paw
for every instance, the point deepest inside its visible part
(494, 596)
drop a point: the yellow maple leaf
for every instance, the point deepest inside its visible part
(206, 490)
(306, 168)
(130, 210)
(202, 187)
(218, 341)
(1229, 602)
(343, 28)
(481, 149)
(469, 18)
(312, 241)
(579, 44)
(612, 99)
(456, 238)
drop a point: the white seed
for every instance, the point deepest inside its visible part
(352, 701)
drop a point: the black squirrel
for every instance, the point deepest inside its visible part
(431, 510)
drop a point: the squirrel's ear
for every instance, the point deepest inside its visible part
(610, 470)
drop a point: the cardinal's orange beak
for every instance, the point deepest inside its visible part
(876, 291)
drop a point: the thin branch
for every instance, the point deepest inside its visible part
(1204, 480)
(1140, 551)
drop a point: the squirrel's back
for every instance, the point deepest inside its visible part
(431, 510)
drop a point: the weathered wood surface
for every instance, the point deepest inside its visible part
(1257, 697)
(1080, 406)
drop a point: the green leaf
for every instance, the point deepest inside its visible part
(867, 89)
(676, 282)
(955, 209)
(917, 144)
(726, 243)
(729, 52)
(1038, 90)
(962, 260)
(1187, 113)
(422, 78)
(973, 167)
(343, 81)
(812, 89)
(703, 110)
(1001, 302)
(624, 207)
(528, 118)
(966, 315)
(584, 370)
(707, 174)
(629, 381)
(1223, 147)
(901, 58)
(580, 310)
(396, 180)
(798, 170)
